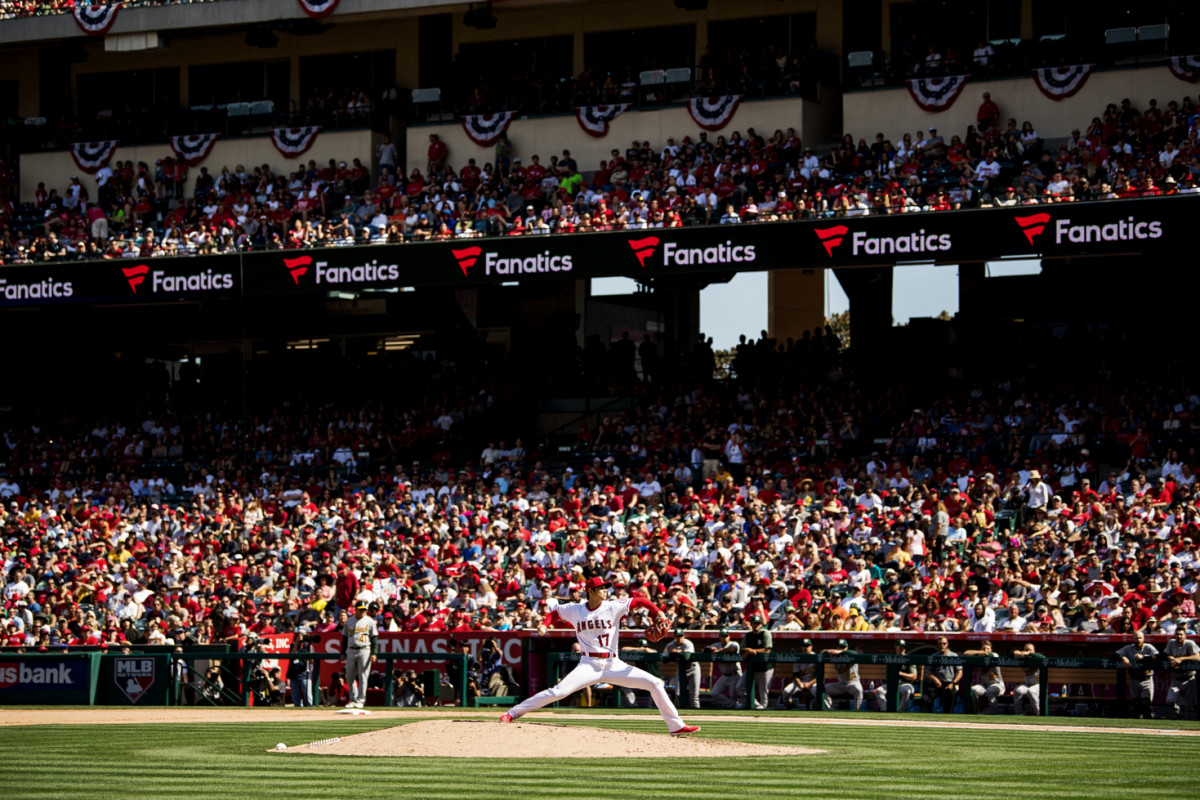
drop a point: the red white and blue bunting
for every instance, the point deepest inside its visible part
(937, 94)
(486, 129)
(714, 113)
(193, 149)
(595, 119)
(1059, 83)
(318, 8)
(95, 20)
(294, 142)
(1186, 68)
(91, 156)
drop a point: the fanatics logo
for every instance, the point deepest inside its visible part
(831, 237)
(297, 267)
(1033, 225)
(644, 248)
(466, 258)
(136, 275)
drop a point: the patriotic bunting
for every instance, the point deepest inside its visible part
(714, 113)
(1059, 83)
(594, 119)
(294, 142)
(1186, 68)
(486, 129)
(193, 149)
(318, 8)
(95, 20)
(937, 94)
(91, 156)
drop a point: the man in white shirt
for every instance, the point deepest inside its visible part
(983, 55)
(649, 489)
(988, 168)
(1058, 184)
(1038, 490)
(1167, 156)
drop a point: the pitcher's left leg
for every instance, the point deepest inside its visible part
(623, 674)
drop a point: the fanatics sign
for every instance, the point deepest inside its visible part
(1061, 230)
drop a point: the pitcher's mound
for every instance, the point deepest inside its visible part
(490, 739)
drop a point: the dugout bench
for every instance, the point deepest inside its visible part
(1079, 677)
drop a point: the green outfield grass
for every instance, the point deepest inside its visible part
(228, 760)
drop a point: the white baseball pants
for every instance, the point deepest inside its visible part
(608, 670)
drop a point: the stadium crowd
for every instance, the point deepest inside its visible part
(144, 211)
(802, 502)
(13, 9)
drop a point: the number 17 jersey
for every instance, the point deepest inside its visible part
(597, 630)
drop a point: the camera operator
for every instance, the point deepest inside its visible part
(300, 671)
(409, 691)
(258, 679)
(454, 671)
(499, 677)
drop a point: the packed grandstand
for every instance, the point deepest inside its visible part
(143, 211)
(786, 484)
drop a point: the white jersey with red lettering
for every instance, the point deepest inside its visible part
(597, 630)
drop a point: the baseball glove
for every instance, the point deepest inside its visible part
(659, 630)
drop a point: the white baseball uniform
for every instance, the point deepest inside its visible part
(597, 631)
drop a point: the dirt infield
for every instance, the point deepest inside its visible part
(139, 716)
(477, 738)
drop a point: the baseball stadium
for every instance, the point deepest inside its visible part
(597, 398)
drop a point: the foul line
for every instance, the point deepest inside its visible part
(900, 723)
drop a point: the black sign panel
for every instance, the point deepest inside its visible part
(1144, 225)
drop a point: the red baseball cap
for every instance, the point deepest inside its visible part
(597, 583)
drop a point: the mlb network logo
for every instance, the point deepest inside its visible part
(1032, 225)
(832, 237)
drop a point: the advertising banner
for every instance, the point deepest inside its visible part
(120, 281)
(1109, 228)
(400, 642)
(141, 679)
(58, 680)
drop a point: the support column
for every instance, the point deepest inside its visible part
(577, 62)
(885, 29)
(29, 86)
(971, 293)
(294, 81)
(870, 293)
(795, 302)
(581, 291)
(1026, 19)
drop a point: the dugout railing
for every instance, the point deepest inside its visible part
(892, 664)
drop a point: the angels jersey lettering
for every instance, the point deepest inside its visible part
(597, 631)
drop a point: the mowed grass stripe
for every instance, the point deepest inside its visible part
(228, 760)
